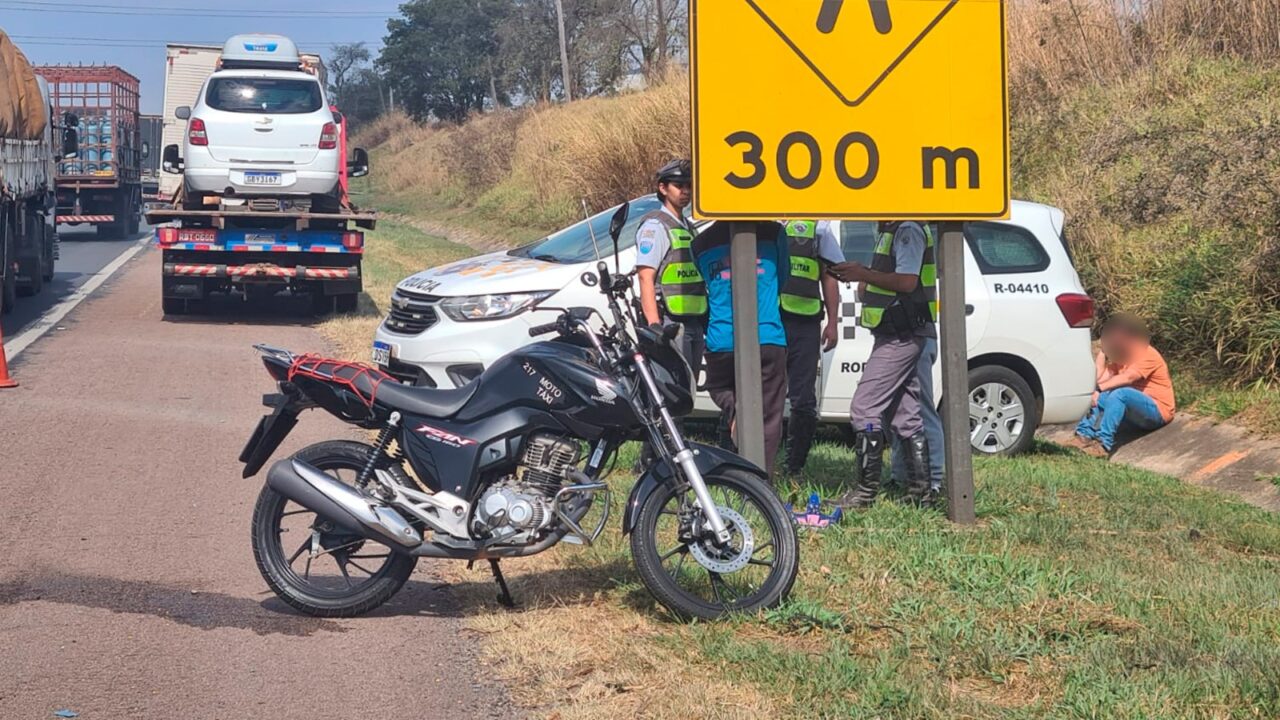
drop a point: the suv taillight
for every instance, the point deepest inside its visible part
(1077, 309)
(195, 132)
(329, 137)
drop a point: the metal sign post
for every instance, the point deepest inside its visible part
(748, 391)
(841, 135)
(955, 375)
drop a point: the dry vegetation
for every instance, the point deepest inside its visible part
(1153, 123)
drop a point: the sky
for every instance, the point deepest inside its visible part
(132, 33)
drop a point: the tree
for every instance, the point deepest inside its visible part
(345, 62)
(656, 29)
(363, 98)
(530, 53)
(441, 56)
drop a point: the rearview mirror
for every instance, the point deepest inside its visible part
(183, 112)
(358, 165)
(70, 143)
(618, 220)
(170, 160)
(146, 149)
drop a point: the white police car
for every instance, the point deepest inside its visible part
(261, 126)
(1028, 318)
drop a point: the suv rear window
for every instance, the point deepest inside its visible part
(264, 95)
(1005, 249)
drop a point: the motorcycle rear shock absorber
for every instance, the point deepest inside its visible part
(385, 437)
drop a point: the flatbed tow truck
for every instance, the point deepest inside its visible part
(261, 251)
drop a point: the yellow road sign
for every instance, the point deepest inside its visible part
(849, 108)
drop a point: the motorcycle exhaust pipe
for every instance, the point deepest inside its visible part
(363, 515)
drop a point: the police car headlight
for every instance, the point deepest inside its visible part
(491, 307)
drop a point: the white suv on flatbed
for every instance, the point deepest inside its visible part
(261, 126)
(1028, 318)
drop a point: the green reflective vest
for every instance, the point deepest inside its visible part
(801, 295)
(680, 286)
(877, 300)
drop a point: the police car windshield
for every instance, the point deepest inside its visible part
(573, 244)
(264, 95)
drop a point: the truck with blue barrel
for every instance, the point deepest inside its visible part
(262, 205)
(102, 185)
(33, 138)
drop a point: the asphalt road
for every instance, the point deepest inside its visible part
(127, 584)
(82, 255)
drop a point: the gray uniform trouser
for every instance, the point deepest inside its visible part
(889, 392)
(932, 421)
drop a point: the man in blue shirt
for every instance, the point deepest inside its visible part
(711, 251)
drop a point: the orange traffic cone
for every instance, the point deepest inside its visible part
(5, 380)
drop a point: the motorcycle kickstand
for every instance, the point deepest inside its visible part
(505, 598)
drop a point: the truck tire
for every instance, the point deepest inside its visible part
(107, 231)
(50, 254)
(173, 306)
(36, 284)
(9, 279)
(348, 302)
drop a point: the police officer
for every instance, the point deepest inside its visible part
(671, 288)
(809, 291)
(900, 307)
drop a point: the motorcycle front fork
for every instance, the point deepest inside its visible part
(683, 456)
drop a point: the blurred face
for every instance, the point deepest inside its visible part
(1115, 345)
(679, 194)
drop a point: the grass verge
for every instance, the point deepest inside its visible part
(1086, 590)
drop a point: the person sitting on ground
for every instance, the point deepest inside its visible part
(1133, 386)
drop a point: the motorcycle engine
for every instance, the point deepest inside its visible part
(522, 503)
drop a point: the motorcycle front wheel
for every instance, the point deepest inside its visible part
(693, 577)
(310, 562)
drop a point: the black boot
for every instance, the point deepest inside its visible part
(869, 446)
(915, 451)
(800, 439)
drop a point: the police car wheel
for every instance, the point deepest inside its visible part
(1003, 411)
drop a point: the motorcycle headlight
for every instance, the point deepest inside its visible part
(491, 307)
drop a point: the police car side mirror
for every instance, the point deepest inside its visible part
(618, 220)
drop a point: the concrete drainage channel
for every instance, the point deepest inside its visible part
(1201, 452)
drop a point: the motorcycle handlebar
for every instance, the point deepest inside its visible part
(550, 327)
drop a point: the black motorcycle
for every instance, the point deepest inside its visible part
(509, 466)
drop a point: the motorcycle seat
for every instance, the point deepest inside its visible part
(432, 402)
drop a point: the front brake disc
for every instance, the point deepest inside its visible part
(735, 554)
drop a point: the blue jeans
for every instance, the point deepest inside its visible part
(932, 421)
(1119, 406)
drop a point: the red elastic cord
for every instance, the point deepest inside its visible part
(340, 372)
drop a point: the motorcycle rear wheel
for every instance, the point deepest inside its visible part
(358, 588)
(755, 571)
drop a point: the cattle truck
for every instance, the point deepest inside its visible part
(102, 186)
(31, 142)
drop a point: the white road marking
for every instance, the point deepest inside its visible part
(55, 314)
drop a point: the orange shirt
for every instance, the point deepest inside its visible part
(1155, 381)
